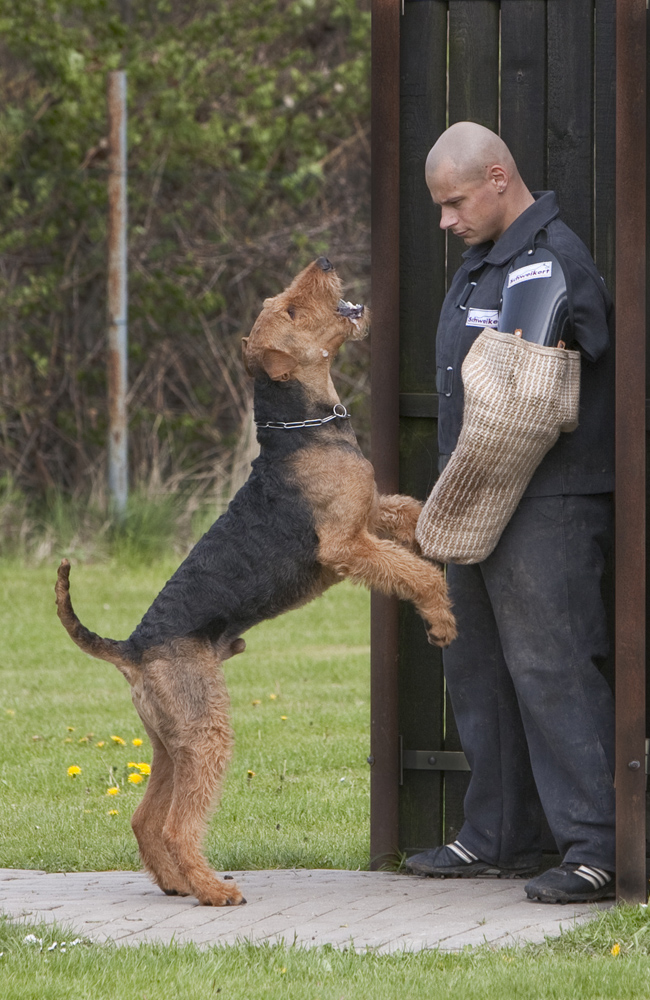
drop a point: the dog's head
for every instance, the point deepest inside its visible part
(300, 330)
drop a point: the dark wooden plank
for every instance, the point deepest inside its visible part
(523, 87)
(473, 96)
(423, 94)
(384, 368)
(604, 197)
(647, 497)
(570, 31)
(423, 88)
(474, 62)
(473, 78)
(421, 717)
(631, 180)
(605, 137)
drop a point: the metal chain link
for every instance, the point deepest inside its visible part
(290, 425)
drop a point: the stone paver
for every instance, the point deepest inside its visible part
(371, 910)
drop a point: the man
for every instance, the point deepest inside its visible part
(535, 714)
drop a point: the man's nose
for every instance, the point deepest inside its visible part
(448, 218)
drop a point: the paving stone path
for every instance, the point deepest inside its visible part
(373, 910)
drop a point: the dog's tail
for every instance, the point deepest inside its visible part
(94, 645)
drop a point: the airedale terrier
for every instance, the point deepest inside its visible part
(308, 516)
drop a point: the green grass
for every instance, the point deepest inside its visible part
(578, 966)
(300, 711)
(306, 803)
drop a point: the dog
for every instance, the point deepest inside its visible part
(308, 516)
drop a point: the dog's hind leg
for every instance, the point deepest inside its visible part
(198, 771)
(149, 819)
(392, 569)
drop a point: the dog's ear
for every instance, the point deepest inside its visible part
(278, 365)
(244, 345)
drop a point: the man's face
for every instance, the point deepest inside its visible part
(471, 208)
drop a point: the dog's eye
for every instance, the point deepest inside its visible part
(292, 312)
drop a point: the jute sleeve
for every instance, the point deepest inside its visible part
(519, 397)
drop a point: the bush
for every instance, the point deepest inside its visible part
(248, 156)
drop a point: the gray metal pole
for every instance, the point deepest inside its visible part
(117, 293)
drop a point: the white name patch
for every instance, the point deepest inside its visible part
(483, 317)
(543, 269)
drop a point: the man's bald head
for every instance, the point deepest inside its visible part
(471, 150)
(474, 179)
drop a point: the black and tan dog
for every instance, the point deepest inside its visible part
(308, 516)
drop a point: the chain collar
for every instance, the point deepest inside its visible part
(290, 425)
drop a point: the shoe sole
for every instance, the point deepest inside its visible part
(474, 871)
(556, 896)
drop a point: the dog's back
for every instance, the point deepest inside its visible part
(257, 561)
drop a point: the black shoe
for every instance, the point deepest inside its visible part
(455, 861)
(571, 883)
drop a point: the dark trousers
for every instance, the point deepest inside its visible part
(534, 713)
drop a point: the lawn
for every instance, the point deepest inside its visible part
(297, 789)
(607, 960)
(296, 794)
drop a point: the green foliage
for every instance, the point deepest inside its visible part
(35, 529)
(247, 126)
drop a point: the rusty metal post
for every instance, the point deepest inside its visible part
(630, 449)
(117, 292)
(384, 377)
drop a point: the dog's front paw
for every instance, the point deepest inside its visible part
(443, 631)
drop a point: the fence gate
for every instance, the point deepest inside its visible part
(542, 73)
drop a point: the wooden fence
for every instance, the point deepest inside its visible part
(542, 73)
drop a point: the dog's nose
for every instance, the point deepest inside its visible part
(325, 264)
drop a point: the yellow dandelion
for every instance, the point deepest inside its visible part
(144, 767)
(10, 711)
(68, 739)
(284, 717)
(118, 740)
(113, 791)
(616, 949)
(250, 774)
(256, 701)
(135, 778)
(74, 770)
(70, 729)
(132, 763)
(273, 697)
(113, 812)
(100, 743)
(136, 742)
(84, 739)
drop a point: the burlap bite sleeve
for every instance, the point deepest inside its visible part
(519, 396)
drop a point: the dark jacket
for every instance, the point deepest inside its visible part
(581, 462)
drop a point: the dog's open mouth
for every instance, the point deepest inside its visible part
(350, 311)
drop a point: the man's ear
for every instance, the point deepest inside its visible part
(278, 365)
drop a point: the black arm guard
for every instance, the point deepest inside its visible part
(535, 300)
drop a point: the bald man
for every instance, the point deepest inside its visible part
(535, 714)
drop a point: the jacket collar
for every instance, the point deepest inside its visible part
(517, 236)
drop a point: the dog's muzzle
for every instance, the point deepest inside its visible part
(349, 310)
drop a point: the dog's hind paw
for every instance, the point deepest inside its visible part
(221, 895)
